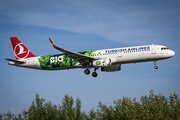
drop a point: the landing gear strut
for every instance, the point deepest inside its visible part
(94, 74)
(155, 66)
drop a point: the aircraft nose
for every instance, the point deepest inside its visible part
(172, 53)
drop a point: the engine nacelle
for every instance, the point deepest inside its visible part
(112, 68)
(102, 62)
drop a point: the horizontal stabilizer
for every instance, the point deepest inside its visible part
(15, 61)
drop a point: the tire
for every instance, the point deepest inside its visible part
(94, 74)
(156, 67)
(86, 71)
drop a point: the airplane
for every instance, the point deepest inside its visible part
(108, 60)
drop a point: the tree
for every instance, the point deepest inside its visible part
(68, 111)
(149, 107)
(39, 110)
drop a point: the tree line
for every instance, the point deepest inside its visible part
(149, 107)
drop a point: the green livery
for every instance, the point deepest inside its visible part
(88, 53)
(60, 60)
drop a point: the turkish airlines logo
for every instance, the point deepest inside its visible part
(20, 51)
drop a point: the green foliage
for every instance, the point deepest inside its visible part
(151, 107)
(39, 110)
(67, 111)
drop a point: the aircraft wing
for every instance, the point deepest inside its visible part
(74, 55)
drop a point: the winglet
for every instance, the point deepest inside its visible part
(52, 43)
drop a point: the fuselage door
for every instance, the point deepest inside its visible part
(153, 49)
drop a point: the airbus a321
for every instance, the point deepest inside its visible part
(108, 60)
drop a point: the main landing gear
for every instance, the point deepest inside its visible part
(94, 74)
(87, 71)
(155, 66)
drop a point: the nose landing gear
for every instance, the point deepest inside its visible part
(155, 66)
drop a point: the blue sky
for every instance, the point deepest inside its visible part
(87, 25)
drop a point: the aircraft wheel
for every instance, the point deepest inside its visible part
(94, 74)
(156, 67)
(86, 71)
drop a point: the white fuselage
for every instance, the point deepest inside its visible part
(123, 56)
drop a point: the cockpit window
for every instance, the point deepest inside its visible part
(164, 48)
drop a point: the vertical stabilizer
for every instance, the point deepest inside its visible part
(20, 50)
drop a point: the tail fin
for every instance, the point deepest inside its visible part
(20, 50)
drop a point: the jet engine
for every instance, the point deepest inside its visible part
(112, 68)
(101, 62)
